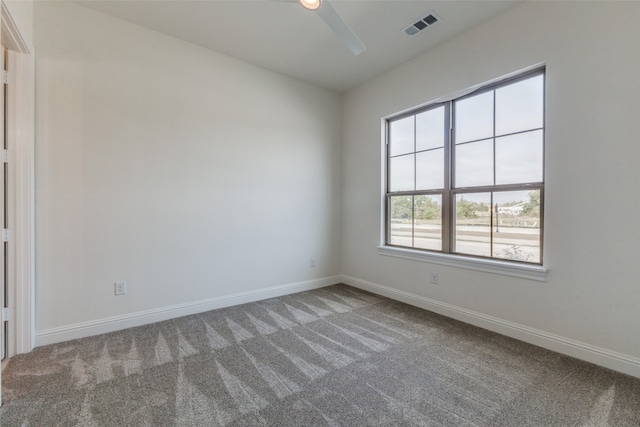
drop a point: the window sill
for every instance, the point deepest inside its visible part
(524, 271)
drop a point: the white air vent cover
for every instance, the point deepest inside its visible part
(422, 24)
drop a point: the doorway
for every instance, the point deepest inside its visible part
(4, 280)
(17, 191)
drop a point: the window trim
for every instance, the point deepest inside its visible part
(527, 270)
(487, 265)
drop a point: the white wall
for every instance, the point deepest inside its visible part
(592, 231)
(195, 176)
(186, 173)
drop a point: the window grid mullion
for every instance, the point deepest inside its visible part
(387, 226)
(415, 161)
(491, 206)
(504, 135)
(415, 184)
(447, 216)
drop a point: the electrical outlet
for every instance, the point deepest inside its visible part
(434, 278)
(312, 263)
(120, 288)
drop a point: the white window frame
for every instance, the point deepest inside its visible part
(532, 271)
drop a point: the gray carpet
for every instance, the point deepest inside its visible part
(336, 356)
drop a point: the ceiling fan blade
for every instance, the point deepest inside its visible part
(337, 24)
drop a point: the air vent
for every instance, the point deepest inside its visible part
(424, 23)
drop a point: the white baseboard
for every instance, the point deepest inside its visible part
(116, 323)
(600, 356)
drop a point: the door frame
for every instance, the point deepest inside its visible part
(20, 132)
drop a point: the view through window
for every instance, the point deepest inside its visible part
(467, 176)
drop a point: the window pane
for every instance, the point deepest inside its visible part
(520, 106)
(473, 224)
(430, 169)
(401, 136)
(401, 173)
(400, 227)
(519, 158)
(428, 222)
(516, 234)
(430, 129)
(474, 118)
(474, 164)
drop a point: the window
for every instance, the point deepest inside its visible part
(466, 177)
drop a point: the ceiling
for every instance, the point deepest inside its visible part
(282, 36)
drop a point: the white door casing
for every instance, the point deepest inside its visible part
(20, 143)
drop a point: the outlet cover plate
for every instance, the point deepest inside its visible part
(120, 288)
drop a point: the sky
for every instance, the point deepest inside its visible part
(519, 109)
